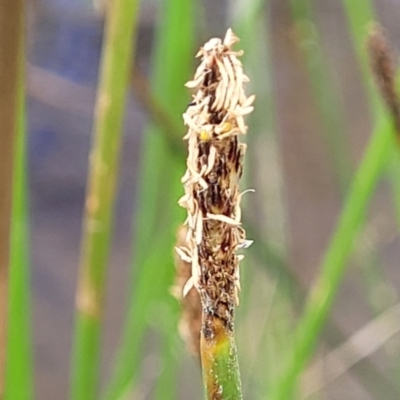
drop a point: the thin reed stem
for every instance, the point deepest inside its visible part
(320, 300)
(19, 374)
(116, 64)
(11, 22)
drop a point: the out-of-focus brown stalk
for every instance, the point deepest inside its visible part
(215, 119)
(190, 322)
(160, 116)
(11, 20)
(382, 58)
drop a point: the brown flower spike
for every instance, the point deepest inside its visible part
(214, 167)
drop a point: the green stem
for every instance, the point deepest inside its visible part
(394, 174)
(219, 361)
(102, 181)
(333, 267)
(19, 383)
(11, 23)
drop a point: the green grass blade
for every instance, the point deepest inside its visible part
(394, 172)
(19, 379)
(333, 267)
(159, 188)
(11, 31)
(102, 181)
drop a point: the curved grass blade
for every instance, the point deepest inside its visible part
(321, 298)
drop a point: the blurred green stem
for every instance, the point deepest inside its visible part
(102, 182)
(322, 295)
(19, 382)
(158, 189)
(11, 24)
(394, 172)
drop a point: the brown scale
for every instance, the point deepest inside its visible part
(217, 117)
(210, 84)
(233, 149)
(239, 162)
(214, 199)
(210, 78)
(217, 277)
(204, 148)
(211, 199)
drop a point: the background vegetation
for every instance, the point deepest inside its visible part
(319, 315)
